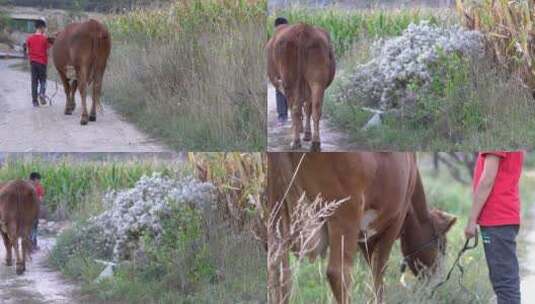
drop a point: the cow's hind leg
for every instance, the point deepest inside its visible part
(308, 113)
(9, 251)
(26, 249)
(97, 89)
(343, 247)
(82, 85)
(13, 237)
(297, 121)
(67, 89)
(317, 92)
(72, 95)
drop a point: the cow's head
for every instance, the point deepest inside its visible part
(424, 254)
(52, 38)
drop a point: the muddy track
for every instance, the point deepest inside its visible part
(39, 284)
(280, 137)
(24, 128)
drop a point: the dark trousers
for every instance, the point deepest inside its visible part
(282, 106)
(500, 251)
(33, 233)
(38, 78)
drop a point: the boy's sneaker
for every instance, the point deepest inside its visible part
(42, 99)
(35, 103)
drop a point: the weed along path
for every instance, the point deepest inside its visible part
(39, 284)
(280, 137)
(24, 128)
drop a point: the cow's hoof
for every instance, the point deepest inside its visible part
(315, 147)
(68, 112)
(20, 269)
(295, 145)
(92, 117)
(83, 122)
(9, 263)
(308, 136)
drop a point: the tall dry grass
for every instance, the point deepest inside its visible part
(192, 73)
(509, 30)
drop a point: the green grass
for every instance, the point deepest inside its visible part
(192, 74)
(310, 282)
(462, 110)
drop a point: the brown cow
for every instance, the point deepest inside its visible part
(18, 210)
(386, 202)
(84, 47)
(301, 65)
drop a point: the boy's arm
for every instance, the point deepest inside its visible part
(28, 48)
(482, 192)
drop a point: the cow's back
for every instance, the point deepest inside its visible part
(81, 43)
(18, 204)
(300, 49)
(385, 179)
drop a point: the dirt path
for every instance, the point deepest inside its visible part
(39, 284)
(280, 137)
(24, 128)
(528, 261)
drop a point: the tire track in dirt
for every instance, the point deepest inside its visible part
(24, 128)
(39, 284)
(280, 137)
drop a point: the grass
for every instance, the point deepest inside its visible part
(203, 256)
(464, 109)
(192, 74)
(310, 282)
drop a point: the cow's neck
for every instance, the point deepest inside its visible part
(418, 228)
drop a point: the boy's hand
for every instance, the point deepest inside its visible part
(470, 230)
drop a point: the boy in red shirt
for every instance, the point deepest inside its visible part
(496, 209)
(35, 179)
(37, 45)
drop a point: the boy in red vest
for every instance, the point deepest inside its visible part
(37, 45)
(35, 179)
(496, 209)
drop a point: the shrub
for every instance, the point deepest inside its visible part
(404, 61)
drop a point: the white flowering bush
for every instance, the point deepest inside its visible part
(138, 212)
(405, 60)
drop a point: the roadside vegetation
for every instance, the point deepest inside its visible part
(176, 231)
(192, 73)
(310, 282)
(449, 100)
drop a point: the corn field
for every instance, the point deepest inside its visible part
(76, 187)
(348, 27)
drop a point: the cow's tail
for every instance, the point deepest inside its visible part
(99, 38)
(301, 58)
(25, 237)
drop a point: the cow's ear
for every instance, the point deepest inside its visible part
(445, 220)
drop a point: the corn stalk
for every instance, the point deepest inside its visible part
(241, 182)
(508, 28)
